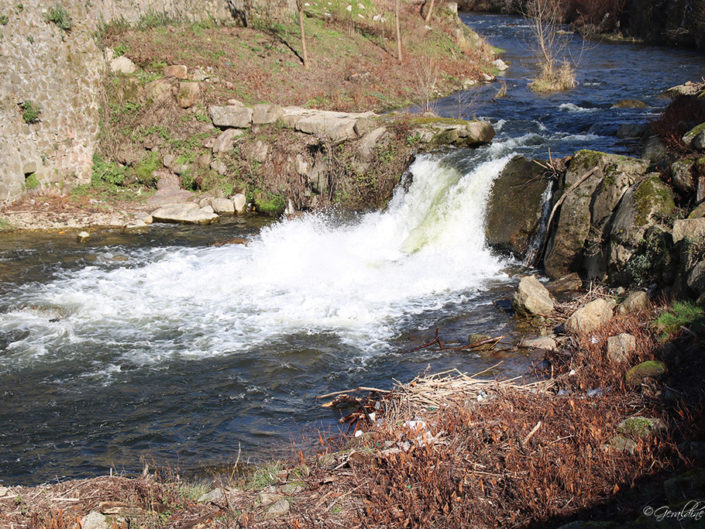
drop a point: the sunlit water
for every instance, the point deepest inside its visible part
(164, 346)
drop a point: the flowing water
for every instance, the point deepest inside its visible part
(167, 347)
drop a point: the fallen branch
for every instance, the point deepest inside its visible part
(355, 390)
(563, 197)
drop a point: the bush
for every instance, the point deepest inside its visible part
(105, 171)
(4, 20)
(30, 111)
(680, 116)
(59, 16)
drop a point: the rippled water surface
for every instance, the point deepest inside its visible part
(165, 346)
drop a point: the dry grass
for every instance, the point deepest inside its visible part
(353, 63)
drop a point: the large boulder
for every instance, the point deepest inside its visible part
(532, 298)
(591, 317)
(691, 229)
(515, 206)
(586, 210)
(642, 206)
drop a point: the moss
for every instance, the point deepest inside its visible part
(31, 182)
(652, 196)
(272, 204)
(650, 368)
(637, 426)
(692, 133)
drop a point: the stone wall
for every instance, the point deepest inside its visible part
(62, 72)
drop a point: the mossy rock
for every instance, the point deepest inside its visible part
(640, 427)
(648, 369)
(689, 136)
(630, 103)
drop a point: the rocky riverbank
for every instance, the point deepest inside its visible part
(610, 218)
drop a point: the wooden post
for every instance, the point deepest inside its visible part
(396, 9)
(300, 5)
(430, 11)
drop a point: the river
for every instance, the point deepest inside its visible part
(163, 347)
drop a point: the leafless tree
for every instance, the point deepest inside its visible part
(300, 6)
(430, 12)
(396, 12)
(552, 45)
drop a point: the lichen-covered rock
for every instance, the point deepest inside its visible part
(515, 205)
(225, 142)
(532, 298)
(591, 317)
(682, 175)
(157, 90)
(698, 212)
(643, 204)
(586, 210)
(648, 369)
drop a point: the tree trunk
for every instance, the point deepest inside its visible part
(430, 11)
(303, 32)
(396, 9)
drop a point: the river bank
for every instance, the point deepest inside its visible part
(609, 433)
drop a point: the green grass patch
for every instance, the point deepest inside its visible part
(681, 314)
(30, 111)
(272, 204)
(59, 16)
(264, 476)
(31, 182)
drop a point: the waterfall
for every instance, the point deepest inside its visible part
(310, 275)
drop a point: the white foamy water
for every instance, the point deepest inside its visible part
(307, 275)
